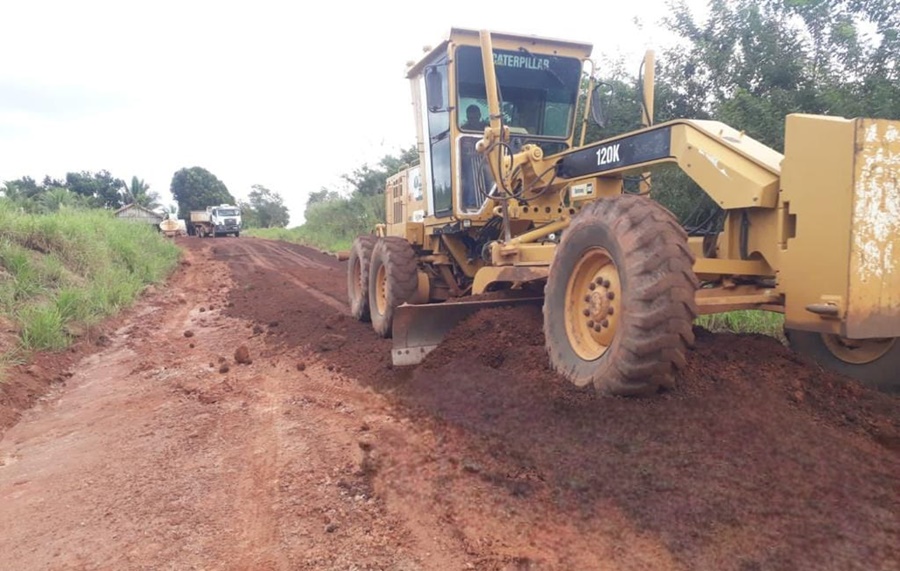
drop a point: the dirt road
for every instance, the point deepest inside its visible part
(155, 449)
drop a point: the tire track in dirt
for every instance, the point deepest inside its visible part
(261, 255)
(256, 496)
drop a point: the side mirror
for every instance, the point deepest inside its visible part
(599, 105)
(434, 89)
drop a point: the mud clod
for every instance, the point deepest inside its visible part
(331, 342)
(301, 366)
(242, 355)
(224, 368)
(188, 333)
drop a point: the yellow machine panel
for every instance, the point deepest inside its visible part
(841, 269)
(874, 295)
(405, 205)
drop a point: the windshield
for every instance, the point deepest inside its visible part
(539, 91)
(227, 212)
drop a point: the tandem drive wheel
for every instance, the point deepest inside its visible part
(393, 279)
(875, 362)
(358, 275)
(619, 303)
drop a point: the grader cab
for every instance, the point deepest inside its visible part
(506, 206)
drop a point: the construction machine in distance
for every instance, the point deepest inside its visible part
(506, 206)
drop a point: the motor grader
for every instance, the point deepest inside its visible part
(512, 209)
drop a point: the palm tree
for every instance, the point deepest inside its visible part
(55, 198)
(139, 193)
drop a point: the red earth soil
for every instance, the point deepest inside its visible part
(318, 454)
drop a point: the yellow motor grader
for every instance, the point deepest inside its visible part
(506, 206)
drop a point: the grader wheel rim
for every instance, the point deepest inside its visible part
(857, 351)
(381, 290)
(593, 298)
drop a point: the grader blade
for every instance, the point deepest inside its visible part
(418, 329)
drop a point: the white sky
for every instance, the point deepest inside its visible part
(276, 93)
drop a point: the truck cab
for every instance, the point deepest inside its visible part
(225, 219)
(220, 220)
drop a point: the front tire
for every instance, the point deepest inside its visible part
(619, 304)
(874, 362)
(393, 279)
(358, 276)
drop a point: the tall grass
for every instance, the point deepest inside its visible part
(745, 321)
(73, 268)
(332, 225)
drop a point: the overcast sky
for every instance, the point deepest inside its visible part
(275, 93)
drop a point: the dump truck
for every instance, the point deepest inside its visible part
(221, 220)
(516, 210)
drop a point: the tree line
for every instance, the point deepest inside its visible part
(78, 190)
(193, 188)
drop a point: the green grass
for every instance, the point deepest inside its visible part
(333, 225)
(302, 235)
(746, 321)
(73, 268)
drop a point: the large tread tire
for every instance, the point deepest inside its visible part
(397, 259)
(654, 327)
(882, 374)
(358, 275)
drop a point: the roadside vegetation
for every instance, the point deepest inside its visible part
(331, 225)
(67, 262)
(62, 272)
(749, 321)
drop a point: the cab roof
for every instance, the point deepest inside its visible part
(465, 36)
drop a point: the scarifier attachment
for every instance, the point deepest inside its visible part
(417, 329)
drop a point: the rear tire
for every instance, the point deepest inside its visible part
(393, 279)
(358, 276)
(877, 363)
(619, 304)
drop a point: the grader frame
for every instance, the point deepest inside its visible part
(813, 233)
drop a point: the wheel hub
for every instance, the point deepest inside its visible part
(857, 351)
(381, 290)
(593, 294)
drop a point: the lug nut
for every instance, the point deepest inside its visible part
(586, 312)
(605, 283)
(599, 281)
(587, 299)
(605, 323)
(592, 286)
(610, 310)
(597, 328)
(610, 295)
(591, 324)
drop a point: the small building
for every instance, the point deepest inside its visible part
(138, 213)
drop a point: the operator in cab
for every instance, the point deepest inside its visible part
(473, 119)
